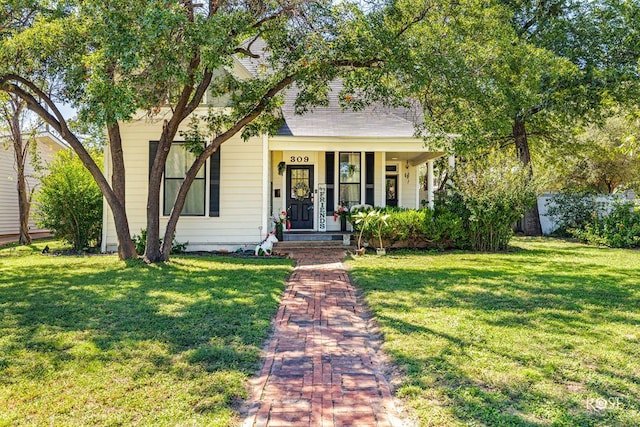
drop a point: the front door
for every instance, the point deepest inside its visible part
(392, 190)
(300, 197)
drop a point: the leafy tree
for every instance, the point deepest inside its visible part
(120, 57)
(69, 201)
(50, 41)
(534, 71)
(603, 158)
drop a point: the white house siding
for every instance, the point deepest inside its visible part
(9, 211)
(241, 193)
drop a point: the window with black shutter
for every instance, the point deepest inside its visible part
(330, 167)
(369, 178)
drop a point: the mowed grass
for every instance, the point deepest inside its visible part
(92, 341)
(547, 334)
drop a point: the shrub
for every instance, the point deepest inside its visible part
(422, 228)
(140, 243)
(491, 194)
(69, 202)
(618, 229)
(449, 231)
(572, 210)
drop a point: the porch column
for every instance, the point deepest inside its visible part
(266, 192)
(430, 184)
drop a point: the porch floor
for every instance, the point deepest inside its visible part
(314, 236)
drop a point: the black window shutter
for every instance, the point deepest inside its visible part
(329, 163)
(369, 178)
(214, 184)
(153, 148)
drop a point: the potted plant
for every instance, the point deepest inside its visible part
(281, 220)
(341, 212)
(378, 221)
(363, 221)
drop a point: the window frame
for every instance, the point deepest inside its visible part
(164, 189)
(351, 183)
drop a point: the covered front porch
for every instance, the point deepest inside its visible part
(311, 177)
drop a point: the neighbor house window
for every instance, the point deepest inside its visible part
(350, 179)
(178, 162)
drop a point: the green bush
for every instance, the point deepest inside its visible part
(572, 210)
(69, 202)
(423, 228)
(490, 195)
(140, 242)
(618, 229)
(476, 212)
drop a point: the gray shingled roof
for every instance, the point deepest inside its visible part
(331, 120)
(373, 121)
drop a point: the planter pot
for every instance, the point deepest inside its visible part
(279, 232)
(361, 251)
(343, 223)
(381, 251)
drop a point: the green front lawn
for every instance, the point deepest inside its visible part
(90, 341)
(547, 334)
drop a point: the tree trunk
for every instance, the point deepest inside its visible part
(187, 102)
(20, 149)
(126, 248)
(208, 152)
(152, 251)
(531, 221)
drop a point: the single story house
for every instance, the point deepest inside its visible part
(47, 145)
(315, 162)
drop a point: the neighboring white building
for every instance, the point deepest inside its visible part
(314, 162)
(48, 145)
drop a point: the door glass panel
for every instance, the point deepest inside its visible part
(349, 167)
(300, 188)
(391, 188)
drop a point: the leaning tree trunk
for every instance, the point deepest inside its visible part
(19, 149)
(531, 221)
(24, 207)
(33, 96)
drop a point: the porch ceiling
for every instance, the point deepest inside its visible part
(401, 147)
(414, 158)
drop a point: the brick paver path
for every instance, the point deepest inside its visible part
(319, 368)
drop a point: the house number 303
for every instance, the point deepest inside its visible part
(299, 159)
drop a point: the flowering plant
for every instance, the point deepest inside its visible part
(281, 219)
(340, 212)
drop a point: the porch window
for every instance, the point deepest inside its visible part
(178, 162)
(350, 179)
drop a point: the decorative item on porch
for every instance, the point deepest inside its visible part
(369, 224)
(341, 212)
(380, 221)
(300, 191)
(281, 221)
(265, 248)
(282, 166)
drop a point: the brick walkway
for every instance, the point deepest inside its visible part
(319, 368)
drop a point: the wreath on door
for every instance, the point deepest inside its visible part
(301, 190)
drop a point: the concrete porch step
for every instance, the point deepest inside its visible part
(307, 244)
(312, 237)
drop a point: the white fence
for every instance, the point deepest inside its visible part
(607, 200)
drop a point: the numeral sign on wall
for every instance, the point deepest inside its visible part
(299, 159)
